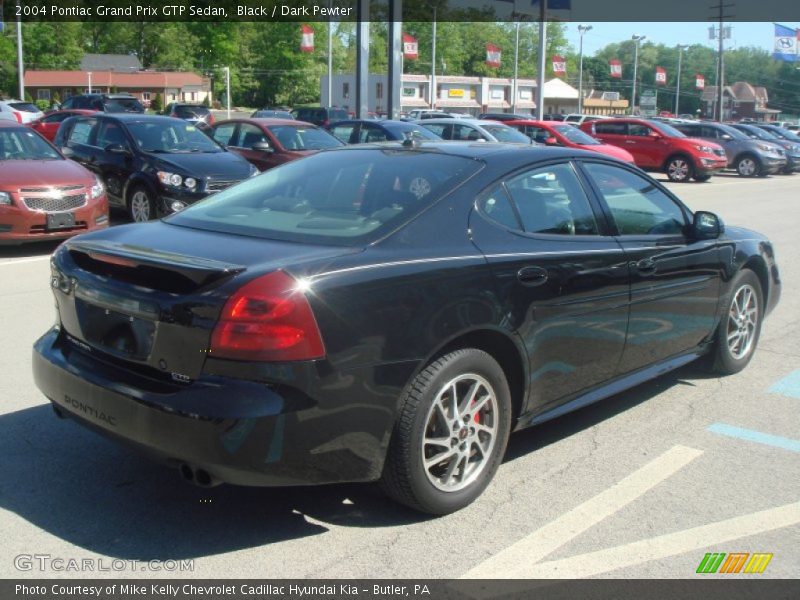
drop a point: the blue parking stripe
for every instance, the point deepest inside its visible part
(788, 386)
(751, 435)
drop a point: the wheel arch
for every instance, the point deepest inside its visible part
(759, 267)
(679, 154)
(505, 349)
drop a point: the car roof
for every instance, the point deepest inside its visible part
(475, 122)
(136, 117)
(265, 121)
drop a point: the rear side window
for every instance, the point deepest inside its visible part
(637, 205)
(612, 128)
(551, 200)
(343, 198)
(497, 206)
(82, 131)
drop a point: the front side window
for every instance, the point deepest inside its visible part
(636, 204)
(170, 137)
(551, 200)
(249, 135)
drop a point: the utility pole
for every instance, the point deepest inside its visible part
(89, 73)
(721, 16)
(228, 89)
(330, 60)
(636, 39)
(681, 48)
(581, 30)
(514, 92)
(20, 66)
(542, 60)
(433, 61)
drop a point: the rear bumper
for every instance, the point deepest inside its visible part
(240, 432)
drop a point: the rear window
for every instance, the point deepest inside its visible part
(24, 107)
(338, 115)
(341, 197)
(123, 105)
(292, 137)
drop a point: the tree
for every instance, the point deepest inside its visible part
(157, 104)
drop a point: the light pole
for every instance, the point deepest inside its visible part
(228, 89)
(581, 30)
(89, 73)
(636, 38)
(514, 92)
(681, 48)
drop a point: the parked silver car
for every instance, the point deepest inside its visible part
(749, 157)
(474, 130)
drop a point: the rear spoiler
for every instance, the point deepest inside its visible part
(199, 270)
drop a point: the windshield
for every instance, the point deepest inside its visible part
(293, 137)
(23, 144)
(170, 137)
(575, 135)
(757, 132)
(276, 114)
(345, 197)
(503, 133)
(784, 133)
(667, 130)
(123, 105)
(733, 132)
(188, 112)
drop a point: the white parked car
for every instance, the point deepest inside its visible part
(579, 118)
(19, 111)
(477, 130)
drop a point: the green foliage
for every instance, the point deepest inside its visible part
(42, 105)
(28, 97)
(157, 104)
(56, 98)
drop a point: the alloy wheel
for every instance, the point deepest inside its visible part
(140, 207)
(742, 322)
(461, 429)
(747, 167)
(678, 169)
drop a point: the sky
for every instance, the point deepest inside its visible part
(671, 34)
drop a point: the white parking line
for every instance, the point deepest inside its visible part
(20, 261)
(611, 559)
(518, 559)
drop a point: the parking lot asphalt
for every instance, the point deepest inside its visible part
(641, 485)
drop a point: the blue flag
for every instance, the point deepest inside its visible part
(785, 44)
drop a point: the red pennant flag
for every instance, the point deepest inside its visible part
(559, 66)
(306, 39)
(661, 76)
(700, 81)
(616, 68)
(410, 47)
(492, 56)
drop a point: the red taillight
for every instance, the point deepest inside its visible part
(267, 319)
(18, 115)
(211, 119)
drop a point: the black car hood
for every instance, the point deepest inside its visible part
(207, 165)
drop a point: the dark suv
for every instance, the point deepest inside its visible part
(749, 157)
(112, 103)
(150, 165)
(320, 116)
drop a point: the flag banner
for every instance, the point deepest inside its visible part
(616, 68)
(306, 39)
(700, 81)
(661, 76)
(410, 47)
(492, 56)
(559, 66)
(785, 44)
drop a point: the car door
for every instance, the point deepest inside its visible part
(114, 160)
(675, 281)
(562, 277)
(246, 137)
(80, 142)
(646, 145)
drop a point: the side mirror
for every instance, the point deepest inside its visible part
(653, 135)
(117, 149)
(551, 141)
(67, 151)
(706, 226)
(263, 147)
(726, 136)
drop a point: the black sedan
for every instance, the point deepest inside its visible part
(365, 131)
(150, 165)
(392, 312)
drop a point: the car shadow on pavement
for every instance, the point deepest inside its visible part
(29, 250)
(529, 440)
(105, 498)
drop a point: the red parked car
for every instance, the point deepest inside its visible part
(43, 195)
(657, 146)
(558, 133)
(267, 143)
(48, 125)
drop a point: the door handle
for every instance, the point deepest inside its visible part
(532, 276)
(646, 266)
(630, 142)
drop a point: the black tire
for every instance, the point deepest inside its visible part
(725, 359)
(748, 165)
(679, 168)
(702, 178)
(405, 477)
(141, 204)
